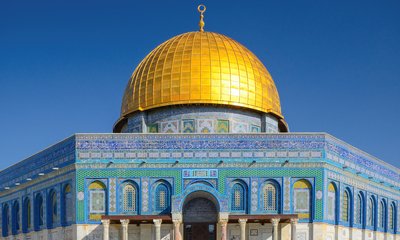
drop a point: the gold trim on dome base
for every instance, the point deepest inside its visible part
(201, 67)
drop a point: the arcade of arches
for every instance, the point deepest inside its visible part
(201, 219)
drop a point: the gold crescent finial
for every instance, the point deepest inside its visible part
(201, 8)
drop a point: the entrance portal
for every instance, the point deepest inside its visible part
(200, 216)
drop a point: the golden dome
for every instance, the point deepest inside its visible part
(201, 68)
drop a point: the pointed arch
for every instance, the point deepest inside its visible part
(6, 220)
(26, 215)
(16, 219)
(359, 209)
(52, 209)
(271, 196)
(130, 197)
(332, 202)
(382, 214)
(162, 197)
(221, 200)
(39, 211)
(392, 217)
(238, 196)
(67, 204)
(200, 199)
(371, 208)
(302, 190)
(97, 200)
(345, 207)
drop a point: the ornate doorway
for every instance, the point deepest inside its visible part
(200, 217)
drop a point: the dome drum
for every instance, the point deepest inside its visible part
(199, 119)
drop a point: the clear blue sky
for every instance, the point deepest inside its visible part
(64, 64)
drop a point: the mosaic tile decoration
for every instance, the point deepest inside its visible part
(269, 128)
(239, 127)
(121, 183)
(178, 199)
(255, 129)
(306, 153)
(360, 184)
(222, 126)
(170, 127)
(123, 173)
(117, 142)
(134, 123)
(276, 173)
(153, 128)
(183, 113)
(145, 194)
(210, 182)
(334, 146)
(205, 125)
(112, 207)
(254, 195)
(200, 173)
(144, 174)
(188, 126)
(58, 155)
(239, 142)
(286, 189)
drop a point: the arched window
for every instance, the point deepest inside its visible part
(39, 211)
(391, 217)
(97, 200)
(359, 209)
(16, 218)
(331, 202)
(162, 198)
(345, 206)
(26, 215)
(270, 198)
(67, 216)
(130, 198)
(382, 214)
(302, 198)
(6, 220)
(238, 198)
(370, 212)
(52, 208)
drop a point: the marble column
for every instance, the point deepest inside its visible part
(177, 229)
(224, 229)
(124, 223)
(177, 221)
(223, 218)
(106, 229)
(242, 223)
(293, 223)
(157, 224)
(275, 224)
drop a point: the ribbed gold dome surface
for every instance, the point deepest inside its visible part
(201, 68)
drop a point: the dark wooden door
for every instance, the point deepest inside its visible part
(200, 231)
